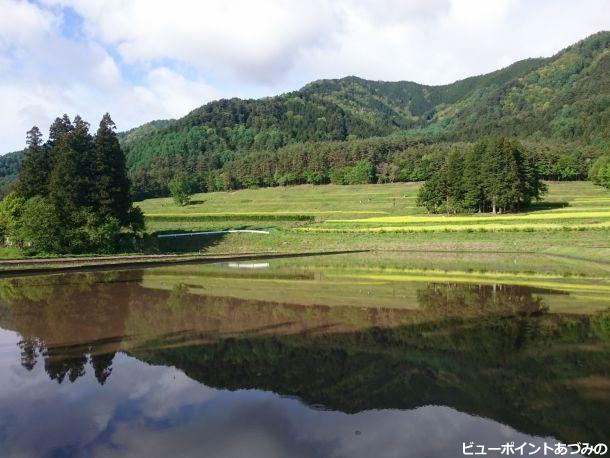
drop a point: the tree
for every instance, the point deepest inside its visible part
(59, 129)
(495, 174)
(11, 209)
(72, 184)
(599, 173)
(102, 231)
(182, 187)
(471, 179)
(40, 226)
(500, 173)
(35, 169)
(361, 173)
(432, 195)
(112, 184)
(88, 205)
(454, 191)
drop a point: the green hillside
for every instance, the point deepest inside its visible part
(561, 100)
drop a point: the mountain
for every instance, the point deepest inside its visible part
(563, 98)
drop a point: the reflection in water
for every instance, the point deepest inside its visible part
(494, 352)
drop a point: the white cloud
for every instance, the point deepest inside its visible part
(148, 59)
(22, 21)
(170, 90)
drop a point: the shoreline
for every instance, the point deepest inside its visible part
(88, 264)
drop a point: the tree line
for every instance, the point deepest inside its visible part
(72, 193)
(493, 175)
(391, 159)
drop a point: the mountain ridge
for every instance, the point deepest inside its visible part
(565, 97)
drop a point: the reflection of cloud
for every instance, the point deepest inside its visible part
(152, 411)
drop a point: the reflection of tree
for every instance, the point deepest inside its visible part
(29, 350)
(61, 362)
(456, 297)
(59, 316)
(487, 350)
(516, 367)
(463, 299)
(57, 366)
(102, 365)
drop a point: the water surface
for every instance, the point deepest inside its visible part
(283, 358)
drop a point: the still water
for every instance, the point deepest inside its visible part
(281, 359)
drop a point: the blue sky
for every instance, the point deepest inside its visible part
(148, 59)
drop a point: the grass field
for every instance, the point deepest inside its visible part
(571, 223)
(570, 228)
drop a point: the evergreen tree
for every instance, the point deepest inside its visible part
(112, 184)
(494, 175)
(35, 168)
(500, 174)
(434, 194)
(472, 181)
(454, 193)
(60, 128)
(72, 181)
(88, 203)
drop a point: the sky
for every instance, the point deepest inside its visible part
(141, 60)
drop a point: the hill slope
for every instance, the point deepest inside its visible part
(564, 97)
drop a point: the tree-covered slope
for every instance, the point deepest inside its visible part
(566, 96)
(10, 164)
(405, 104)
(562, 98)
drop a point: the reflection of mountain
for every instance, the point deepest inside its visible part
(488, 350)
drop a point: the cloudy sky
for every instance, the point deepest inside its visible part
(150, 59)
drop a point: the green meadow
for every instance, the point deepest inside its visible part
(354, 205)
(571, 223)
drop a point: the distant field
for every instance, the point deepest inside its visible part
(574, 206)
(573, 222)
(324, 201)
(378, 208)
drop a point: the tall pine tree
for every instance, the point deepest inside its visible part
(472, 180)
(35, 168)
(110, 170)
(494, 175)
(72, 182)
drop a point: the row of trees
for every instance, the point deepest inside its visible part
(391, 159)
(72, 193)
(494, 175)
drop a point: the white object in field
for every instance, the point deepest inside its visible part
(231, 231)
(247, 265)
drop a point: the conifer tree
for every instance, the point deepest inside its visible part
(472, 181)
(454, 193)
(494, 175)
(88, 203)
(60, 127)
(35, 168)
(71, 181)
(112, 184)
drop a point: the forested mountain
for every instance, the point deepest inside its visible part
(564, 99)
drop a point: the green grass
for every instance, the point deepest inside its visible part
(569, 228)
(571, 224)
(322, 201)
